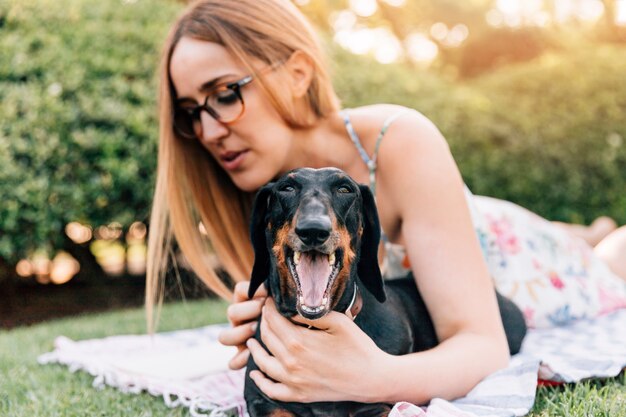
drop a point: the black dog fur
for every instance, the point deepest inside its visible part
(389, 308)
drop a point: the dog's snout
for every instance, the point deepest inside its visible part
(314, 231)
(313, 225)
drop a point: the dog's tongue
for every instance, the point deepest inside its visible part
(313, 271)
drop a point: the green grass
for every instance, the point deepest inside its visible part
(31, 390)
(28, 389)
(597, 398)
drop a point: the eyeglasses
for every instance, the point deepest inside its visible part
(224, 103)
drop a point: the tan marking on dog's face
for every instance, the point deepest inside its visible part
(287, 285)
(339, 286)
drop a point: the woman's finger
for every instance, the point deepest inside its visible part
(238, 335)
(273, 342)
(240, 292)
(331, 322)
(240, 359)
(265, 362)
(244, 311)
(274, 390)
(279, 324)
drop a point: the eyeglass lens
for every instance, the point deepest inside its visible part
(224, 104)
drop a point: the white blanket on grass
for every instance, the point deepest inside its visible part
(188, 368)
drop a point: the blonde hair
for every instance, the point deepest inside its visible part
(191, 187)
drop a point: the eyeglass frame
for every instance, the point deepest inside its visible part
(194, 115)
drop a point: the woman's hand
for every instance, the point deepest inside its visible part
(243, 315)
(336, 361)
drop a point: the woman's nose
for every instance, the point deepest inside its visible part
(212, 130)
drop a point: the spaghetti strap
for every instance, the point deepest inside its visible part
(370, 161)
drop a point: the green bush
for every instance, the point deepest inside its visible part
(552, 136)
(78, 123)
(78, 104)
(502, 46)
(547, 134)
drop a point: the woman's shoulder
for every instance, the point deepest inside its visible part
(403, 129)
(371, 117)
(411, 156)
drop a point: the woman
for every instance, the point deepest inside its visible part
(245, 97)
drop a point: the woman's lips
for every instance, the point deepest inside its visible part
(232, 160)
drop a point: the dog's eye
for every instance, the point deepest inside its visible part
(344, 189)
(287, 189)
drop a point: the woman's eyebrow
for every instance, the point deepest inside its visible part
(212, 83)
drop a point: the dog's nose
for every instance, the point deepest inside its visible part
(313, 225)
(313, 231)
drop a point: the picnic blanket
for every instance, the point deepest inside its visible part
(188, 368)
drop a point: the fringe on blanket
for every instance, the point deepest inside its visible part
(186, 368)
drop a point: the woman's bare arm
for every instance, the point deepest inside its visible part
(423, 183)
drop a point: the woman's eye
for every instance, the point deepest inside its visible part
(344, 190)
(225, 97)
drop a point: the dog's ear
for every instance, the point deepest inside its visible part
(258, 225)
(368, 268)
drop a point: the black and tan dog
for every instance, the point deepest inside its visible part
(315, 235)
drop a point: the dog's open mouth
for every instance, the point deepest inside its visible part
(314, 273)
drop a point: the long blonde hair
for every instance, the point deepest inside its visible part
(191, 187)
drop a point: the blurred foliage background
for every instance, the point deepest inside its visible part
(531, 96)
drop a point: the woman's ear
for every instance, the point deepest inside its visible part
(300, 68)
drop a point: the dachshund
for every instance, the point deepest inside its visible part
(315, 235)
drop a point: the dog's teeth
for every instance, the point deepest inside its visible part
(324, 301)
(302, 300)
(331, 258)
(296, 257)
